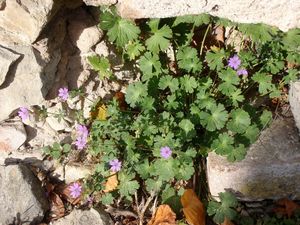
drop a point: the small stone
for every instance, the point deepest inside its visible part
(83, 217)
(271, 169)
(89, 37)
(12, 136)
(21, 196)
(71, 173)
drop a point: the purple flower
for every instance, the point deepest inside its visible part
(75, 190)
(23, 113)
(165, 152)
(63, 93)
(242, 72)
(80, 142)
(82, 131)
(234, 62)
(115, 165)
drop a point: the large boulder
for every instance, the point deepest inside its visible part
(27, 81)
(256, 11)
(294, 99)
(22, 21)
(7, 58)
(22, 199)
(271, 169)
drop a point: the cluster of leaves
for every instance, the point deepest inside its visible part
(191, 102)
(57, 151)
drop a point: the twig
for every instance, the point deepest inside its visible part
(118, 212)
(202, 44)
(141, 212)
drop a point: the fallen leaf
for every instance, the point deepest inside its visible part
(227, 222)
(286, 207)
(111, 183)
(193, 208)
(101, 112)
(163, 216)
(219, 34)
(57, 208)
(120, 97)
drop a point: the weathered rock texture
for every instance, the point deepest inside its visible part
(83, 217)
(294, 99)
(271, 169)
(284, 14)
(22, 199)
(12, 136)
(6, 59)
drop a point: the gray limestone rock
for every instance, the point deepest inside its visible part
(6, 59)
(84, 217)
(22, 198)
(271, 169)
(12, 136)
(294, 99)
(242, 11)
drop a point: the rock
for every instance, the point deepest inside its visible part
(30, 69)
(54, 122)
(12, 136)
(100, 2)
(83, 217)
(271, 169)
(262, 11)
(6, 59)
(32, 18)
(89, 37)
(294, 99)
(22, 198)
(71, 173)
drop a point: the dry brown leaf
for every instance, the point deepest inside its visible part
(120, 97)
(286, 207)
(111, 183)
(193, 208)
(57, 208)
(227, 222)
(163, 216)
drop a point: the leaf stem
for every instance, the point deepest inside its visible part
(202, 44)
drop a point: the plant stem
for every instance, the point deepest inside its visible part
(202, 44)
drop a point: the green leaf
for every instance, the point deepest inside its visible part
(188, 83)
(66, 148)
(223, 209)
(237, 154)
(107, 199)
(159, 41)
(230, 79)
(168, 193)
(108, 18)
(135, 93)
(171, 102)
(123, 31)
(292, 75)
(188, 59)
(265, 118)
(134, 49)
(291, 39)
(168, 82)
(164, 169)
(223, 145)
(216, 119)
(101, 65)
(149, 65)
(143, 169)
(251, 133)
(127, 186)
(264, 82)
(258, 32)
(215, 59)
(186, 125)
(240, 121)
(186, 171)
(153, 185)
(236, 97)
